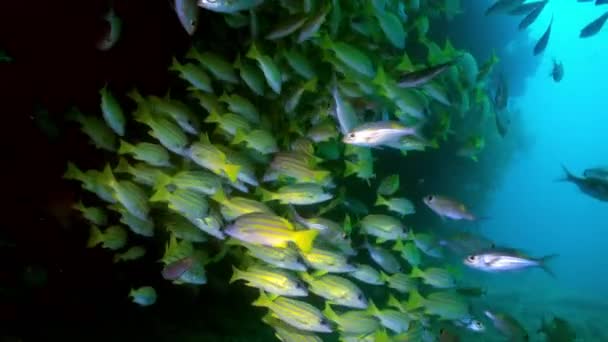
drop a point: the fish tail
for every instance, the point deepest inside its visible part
(192, 54)
(384, 277)
(311, 85)
(569, 177)
(416, 273)
(123, 166)
(239, 137)
(73, 172)
(125, 147)
(266, 196)
(398, 245)
(304, 239)
(175, 66)
(95, 237)
(394, 302)
(236, 275)
(542, 262)
(219, 196)
(263, 300)
(372, 309)
(415, 301)
(232, 171)
(213, 117)
(351, 168)
(134, 95)
(159, 195)
(107, 176)
(253, 52)
(320, 175)
(380, 201)
(329, 312)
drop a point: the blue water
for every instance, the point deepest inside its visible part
(529, 210)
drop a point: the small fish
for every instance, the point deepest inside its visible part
(287, 27)
(185, 229)
(190, 204)
(448, 208)
(169, 134)
(349, 55)
(544, 39)
(389, 185)
(471, 324)
(387, 261)
(132, 253)
(557, 72)
(235, 207)
(312, 25)
(532, 15)
(217, 66)
(299, 63)
(229, 6)
(287, 258)
(377, 133)
(297, 194)
(177, 110)
(142, 173)
(384, 227)
(296, 313)
(418, 78)
(502, 123)
(508, 326)
(95, 215)
(187, 13)
(242, 106)
(434, 276)
(447, 305)
(111, 35)
(352, 322)
(337, 290)
(252, 76)
(153, 154)
(102, 136)
(270, 280)
(176, 269)
(288, 333)
(200, 181)
(599, 173)
(207, 155)
(271, 71)
(409, 252)
(258, 139)
(400, 282)
(112, 111)
(270, 230)
(327, 261)
(396, 321)
(135, 224)
(593, 187)
(127, 193)
(143, 296)
(367, 274)
(508, 260)
(399, 205)
(503, 6)
(594, 27)
(113, 237)
(193, 74)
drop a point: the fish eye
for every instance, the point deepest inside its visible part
(192, 22)
(351, 135)
(323, 321)
(478, 324)
(360, 297)
(472, 258)
(430, 198)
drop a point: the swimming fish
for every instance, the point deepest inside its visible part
(593, 187)
(448, 208)
(544, 40)
(506, 260)
(421, 77)
(377, 133)
(557, 72)
(594, 27)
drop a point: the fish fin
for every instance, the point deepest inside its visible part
(319, 273)
(329, 312)
(543, 264)
(239, 137)
(125, 147)
(219, 196)
(264, 300)
(304, 239)
(266, 196)
(415, 300)
(107, 176)
(380, 201)
(380, 241)
(569, 177)
(399, 246)
(253, 52)
(417, 272)
(175, 66)
(394, 302)
(351, 168)
(236, 275)
(123, 166)
(95, 237)
(73, 172)
(213, 117)
(160, 195)
(232, 171)
(320, 175)
(385, 277)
